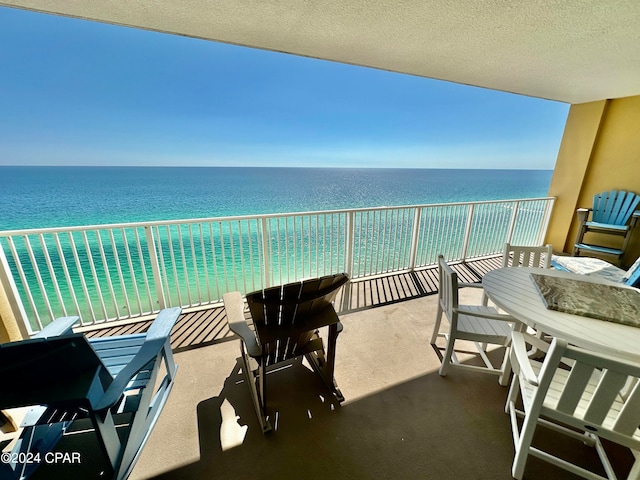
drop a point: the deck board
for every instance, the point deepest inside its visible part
(208, 326)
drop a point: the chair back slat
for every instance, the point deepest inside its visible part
(605, 395)
(448, 289)
(574, 388)
(628, 204)
(604, 207)
(629, 418)
(280, 314)
(614, 207)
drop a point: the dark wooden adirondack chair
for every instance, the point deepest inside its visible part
(613, 214)
(285, 321)
(67, 378)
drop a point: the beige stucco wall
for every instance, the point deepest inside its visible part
(600, 151)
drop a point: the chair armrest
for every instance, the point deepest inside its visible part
(470, 285)
(163, 323)
(157, 339)
(583, 214)
(234, 308)
(60, 326)
(521, 354)
(493, 316)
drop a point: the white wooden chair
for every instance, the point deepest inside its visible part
(527, 256)
(583, 394)
(476, 323)
(524, 256)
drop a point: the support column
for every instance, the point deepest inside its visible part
(579, 142)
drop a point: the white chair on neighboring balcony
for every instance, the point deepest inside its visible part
(476, 323)
(583, 394)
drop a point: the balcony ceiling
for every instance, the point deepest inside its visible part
(566, 50)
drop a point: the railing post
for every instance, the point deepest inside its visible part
(349, 242)
(265, 254)
(512, 223)
(155, 265)
(18, 314)
(415, 232)
(467, 232)
(549, 204)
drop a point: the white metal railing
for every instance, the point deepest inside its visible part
(122, 271)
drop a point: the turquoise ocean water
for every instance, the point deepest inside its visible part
(38, 197)
(35, 197)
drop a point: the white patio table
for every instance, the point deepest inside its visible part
(513, 290)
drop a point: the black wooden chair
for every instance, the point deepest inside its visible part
(285, 324)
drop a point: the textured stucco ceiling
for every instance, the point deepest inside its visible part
(572, 51)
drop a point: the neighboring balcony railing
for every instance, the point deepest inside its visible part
(123, 271)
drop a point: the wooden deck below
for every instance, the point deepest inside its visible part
(208, 326)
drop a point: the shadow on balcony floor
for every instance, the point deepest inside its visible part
(425, 428)
(400, 420)
(208, 326)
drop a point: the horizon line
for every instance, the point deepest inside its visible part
(337, 167)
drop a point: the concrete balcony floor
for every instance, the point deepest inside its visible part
(400, 419)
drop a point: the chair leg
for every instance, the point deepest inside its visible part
(512, 396)
(446, 359)
(325, 365)
(625, 244)
(582, 229)
(504, 377)
(105, 429)
(485, 298)
(331, 360)
(257, 392)
(523, 446)
(436, 327)
(262, 388)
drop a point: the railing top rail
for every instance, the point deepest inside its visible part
(36, 231)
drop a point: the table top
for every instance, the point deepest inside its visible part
(513, 290)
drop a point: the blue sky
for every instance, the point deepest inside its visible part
(74, 92)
